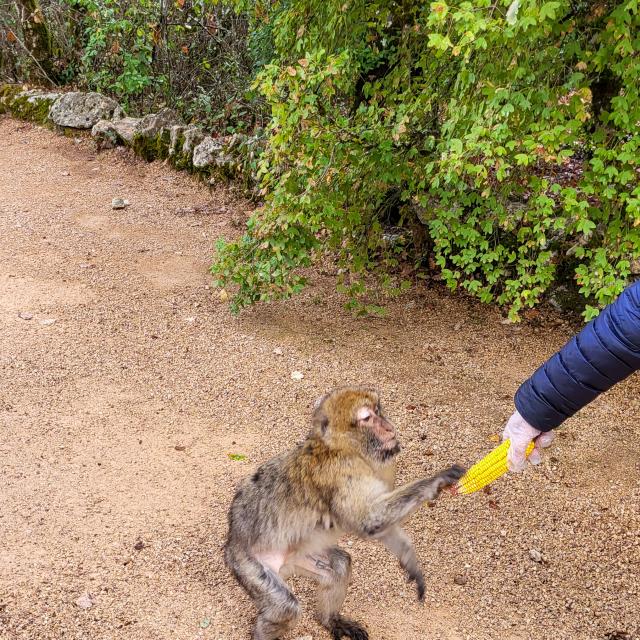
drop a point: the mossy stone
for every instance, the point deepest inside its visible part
(26, 105)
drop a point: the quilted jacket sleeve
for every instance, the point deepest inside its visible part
(606, 351)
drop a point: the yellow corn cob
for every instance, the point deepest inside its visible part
(491, 467)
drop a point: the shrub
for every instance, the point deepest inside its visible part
(193, 55)
(507, 132)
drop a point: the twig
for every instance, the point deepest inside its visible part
(24, 46)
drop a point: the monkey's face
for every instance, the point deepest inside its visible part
(378, 430)
(355, 413)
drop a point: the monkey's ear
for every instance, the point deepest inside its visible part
(320, 422)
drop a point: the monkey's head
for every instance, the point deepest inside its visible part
(355, 413)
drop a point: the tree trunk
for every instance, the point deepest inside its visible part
(37, 38)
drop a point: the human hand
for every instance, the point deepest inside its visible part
(520, 434)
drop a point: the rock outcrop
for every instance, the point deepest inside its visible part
(79, 110)
(32, 105)
(109, 133)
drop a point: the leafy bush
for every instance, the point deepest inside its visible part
(498, 136)
(119, 47)
(193, 55)
(505, 130)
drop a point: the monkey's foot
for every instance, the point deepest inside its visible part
(344, 628)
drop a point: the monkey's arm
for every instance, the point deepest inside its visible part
(399, 544)
(363, 508)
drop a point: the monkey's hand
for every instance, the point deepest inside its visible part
(449, 477)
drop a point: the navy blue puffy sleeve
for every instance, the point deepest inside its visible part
(606, 351)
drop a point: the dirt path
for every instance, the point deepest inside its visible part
(117, 421)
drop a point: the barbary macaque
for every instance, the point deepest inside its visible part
(287, 518)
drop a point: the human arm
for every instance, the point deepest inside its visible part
(605, 352)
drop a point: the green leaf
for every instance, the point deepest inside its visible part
(438, 41)
(548, 10)
(585, 226)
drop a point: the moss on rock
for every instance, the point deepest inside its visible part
(154, 147)
(180, 158)
(27, 105)
(8, 92)
(34, 108)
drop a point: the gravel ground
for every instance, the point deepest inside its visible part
(125, 385)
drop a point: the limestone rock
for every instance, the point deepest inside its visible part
(211, 151)
(175, 133)
(83, 110)
(154, 123)
(30, 105)
(34, 96)
(109, 133)
(193, 136)
(535, 555)
(205, 153)
(85, 601)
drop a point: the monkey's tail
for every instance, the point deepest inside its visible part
(255, 578)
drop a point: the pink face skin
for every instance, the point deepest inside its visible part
(381, 428)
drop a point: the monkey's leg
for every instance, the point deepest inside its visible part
(278, 608)
(331, 569)
(398, 542)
